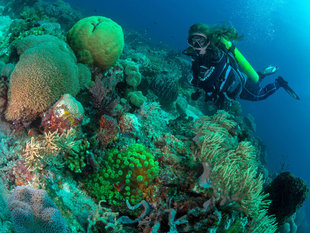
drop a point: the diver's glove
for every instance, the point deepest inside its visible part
(269, 70)
(196, 95)
(280, 82)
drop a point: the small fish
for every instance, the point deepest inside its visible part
(32, 132)
(117, 187)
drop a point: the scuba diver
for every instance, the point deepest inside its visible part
(222, 72)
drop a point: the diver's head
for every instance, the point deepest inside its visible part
(198, 38)
(199, 42)
(213, 35)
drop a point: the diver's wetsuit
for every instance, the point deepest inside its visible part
(221, 79)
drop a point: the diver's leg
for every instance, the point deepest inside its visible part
(254, 92)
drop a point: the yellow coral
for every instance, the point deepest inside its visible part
(97, 40)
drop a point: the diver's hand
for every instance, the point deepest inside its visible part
(196, 95)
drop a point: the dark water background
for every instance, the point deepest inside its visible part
(275, 32)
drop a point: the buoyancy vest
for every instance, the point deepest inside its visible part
(219, 77)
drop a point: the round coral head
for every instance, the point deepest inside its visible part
(97, 40)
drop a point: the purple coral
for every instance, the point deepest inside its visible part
(34, 212)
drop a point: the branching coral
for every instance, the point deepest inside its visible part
(230, 170)
(40, 151)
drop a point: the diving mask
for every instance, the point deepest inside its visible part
(198, 41)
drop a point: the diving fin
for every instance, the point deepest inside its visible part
(291, 92)
(282, 83)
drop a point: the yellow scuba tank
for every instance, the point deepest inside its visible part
(243, 63)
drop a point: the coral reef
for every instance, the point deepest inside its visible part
(59, 11)
(16, 7)
(5, 223)
(131, 153)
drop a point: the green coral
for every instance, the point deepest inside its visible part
(136, 98)
(75, 160)
(124, 175)
(36, 31)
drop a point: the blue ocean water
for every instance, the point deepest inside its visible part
(275, 32)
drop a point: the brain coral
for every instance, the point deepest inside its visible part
(46, 70)
(97, 40)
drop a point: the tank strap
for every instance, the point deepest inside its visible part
(232, 49)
